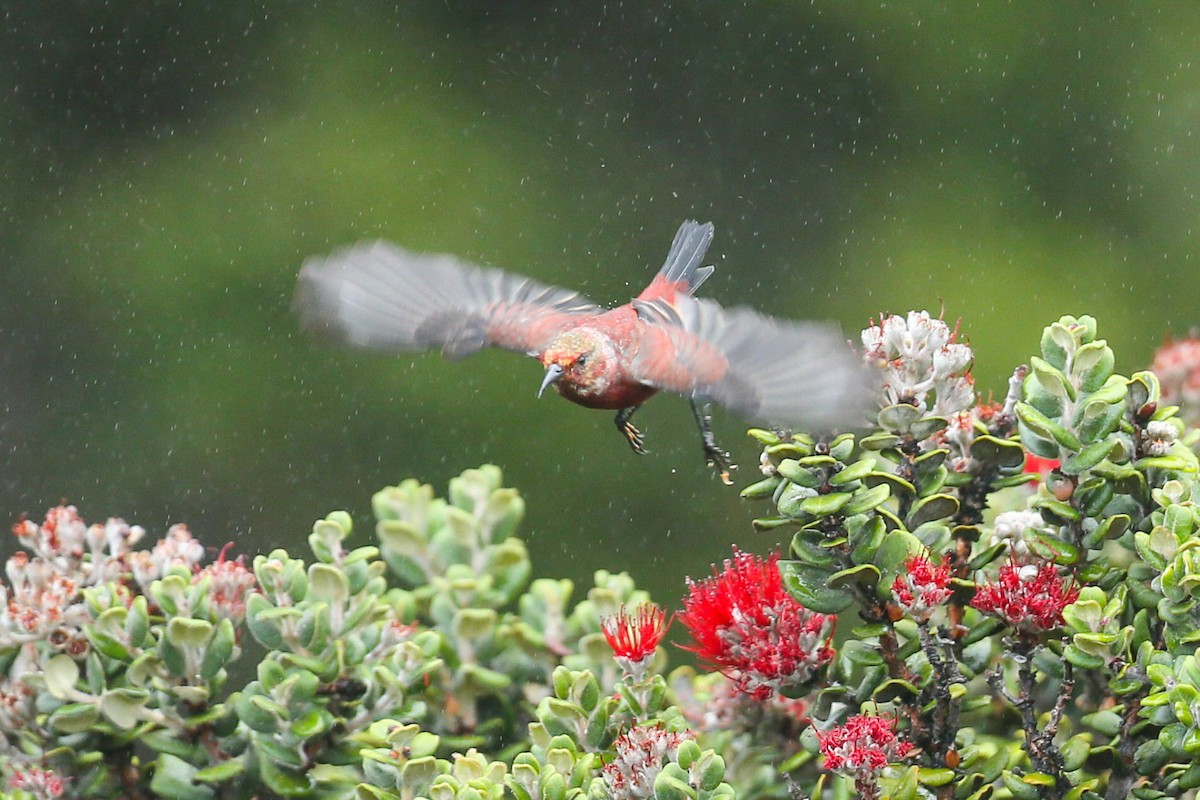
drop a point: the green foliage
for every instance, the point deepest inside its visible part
(1117, 514)
(1023, 635)
(460, 680)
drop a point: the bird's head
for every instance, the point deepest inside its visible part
(577, 362)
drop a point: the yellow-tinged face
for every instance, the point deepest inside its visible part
(577, 362)
(570, 350)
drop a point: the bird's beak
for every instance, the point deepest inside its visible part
(553, 373)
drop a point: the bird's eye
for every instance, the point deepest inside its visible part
(582, 360)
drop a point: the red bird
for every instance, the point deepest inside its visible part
(790, 373)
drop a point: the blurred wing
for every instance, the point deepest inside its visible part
(381, 295)
(789, 373)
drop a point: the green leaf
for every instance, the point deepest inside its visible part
(328, 583)
(188, 634)
(763, 436)
(762, 489)
(1051, 379)
(1027, 786)
(1112, 392)
(1057, 342)
(854, 472)
(175, 778)
(865, 575)
(789, 499)
(927, 426)
(862, 654)
(811, 552)
(879, 441)
(899, 418)
(811, 588)
(778, 452)
(1093, 365)
(898, 485)
(286, 781)
(986, 556)
(895, 689)
(867, 499)
(165, 741)
(670, 787)
(107, 645)
(61, 675)
(219, 651)
(74, 717)
(929, 776)
(1111, 528)
(804, 476)
(904, 789)
(1150, 757)
(866, 534)
(1047, 428)
(123, 706)
(981, 630)
(1097, 420)
(842, 447)
(1168, 462)
(897, 546)
(1093, 496)
(824, 505)
(1053, 548)
(1081, 659)
(928, 509)
(1002, 453)
(1089, 456)
(1060, 513)
(1108, 723)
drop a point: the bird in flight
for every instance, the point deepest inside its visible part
(782, 372)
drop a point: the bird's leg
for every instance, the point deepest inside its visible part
(714, 455)
(631, 434)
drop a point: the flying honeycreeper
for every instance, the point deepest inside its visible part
(781, 372)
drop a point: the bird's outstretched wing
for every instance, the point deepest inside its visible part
(778, 371)
(376, 294)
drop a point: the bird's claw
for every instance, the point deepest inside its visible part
(718, 459)
(635, 438)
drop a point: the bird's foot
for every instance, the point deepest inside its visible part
(718, 459)
(632, 435)
(635, 438)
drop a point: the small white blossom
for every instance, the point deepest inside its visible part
(1013, 527)
(1162, 434)
(639, 755)
(178, 548)
(923, 365)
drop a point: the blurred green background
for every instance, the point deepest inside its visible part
(166, 167)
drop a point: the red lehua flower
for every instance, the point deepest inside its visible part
(862, 748)
(745, 624)
(1177, 365)
(923, 587)
(1040, 465)
(634, 635)
(41, 783)
(1029, 597)
(987, 412)
(231, 582)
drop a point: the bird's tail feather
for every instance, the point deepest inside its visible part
(682, 271)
